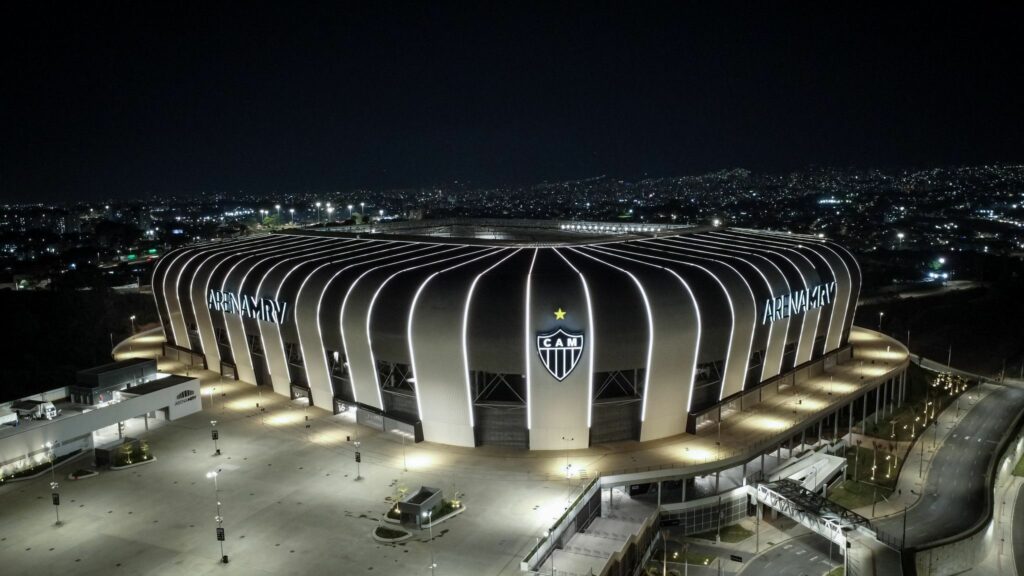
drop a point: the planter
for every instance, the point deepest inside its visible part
(82, 474)
(134, 464)
(445, 518)
(390, 535)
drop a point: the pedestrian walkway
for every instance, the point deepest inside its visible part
(914, 472)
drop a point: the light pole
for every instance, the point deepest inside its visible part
(349, 211)
(54, 485)
(278, 208)
(359, 459)
(291, 215)
(214, 435)
(381, 212)
(219, 518)
(362, 209)
(317, 212)
(899, 236)
(330, 210)
(429, 515)
(880, 315)
(132, 318)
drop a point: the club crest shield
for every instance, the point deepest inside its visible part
(560, 351)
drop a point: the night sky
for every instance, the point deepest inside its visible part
(131, 99)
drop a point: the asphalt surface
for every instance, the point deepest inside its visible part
(804, 555)
(954, 494)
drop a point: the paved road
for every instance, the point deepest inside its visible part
(1018, 529)
(805, 555)
(954, 494)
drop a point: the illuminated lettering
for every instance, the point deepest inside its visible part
(798, 302)
(262, 309)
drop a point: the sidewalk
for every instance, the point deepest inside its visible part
(912, 474)
(1000, 559)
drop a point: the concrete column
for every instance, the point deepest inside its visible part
(762, 463)
(821, 424)
(849, 429)
(835, 424)
(659, 494)
(716, 482)
(864, 414)
(803, 438)
(878, 393)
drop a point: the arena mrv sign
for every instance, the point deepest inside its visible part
(798, 302)
(263, 309)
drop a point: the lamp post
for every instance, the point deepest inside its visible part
(880, 316)
(278, 208)
(349, 211)
(317, 212)
(219, 518)
(132, 318)
(359, 459)
(330, 210)
(291, 215)
(362, 209)
(214, 435)
(54, 485)
(429, 515)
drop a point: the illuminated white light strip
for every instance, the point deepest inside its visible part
(716, 257)
(650, 331)
(170, 313)
(649, 244)
(791, 240)
(593, 342)
(860, 279)
(789, 247)
(835, 277)
(344, 305)
(277, 248)
(373, 300)
(693, 300)
(213, 352)
(746, 242)
(412, 314)
(729, 250)
(526, 343)
(728, 298)
(352, 254)
(465, 332)
(301, 252)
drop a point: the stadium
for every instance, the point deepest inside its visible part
(525, 334)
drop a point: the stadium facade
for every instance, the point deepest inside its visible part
(532, 335)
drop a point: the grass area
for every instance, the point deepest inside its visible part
(732, 533)
(837, 571)
(1018, 470)
(853, 495)
(886, 471)
(389, 533)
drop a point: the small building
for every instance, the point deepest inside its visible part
(416, 507)
(101, 384)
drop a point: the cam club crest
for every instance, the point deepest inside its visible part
(560, 351)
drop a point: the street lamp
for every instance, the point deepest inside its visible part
(132, 318)
(880, 315)
(330, 210)
(317, 212)
(429, 515)
(54, 485)
(278, 208)
(350, 211)
(214, 435)
(291, 215)
(899, 236)
(219, 518)
(362, 208)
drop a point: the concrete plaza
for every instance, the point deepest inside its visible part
(292, 504)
